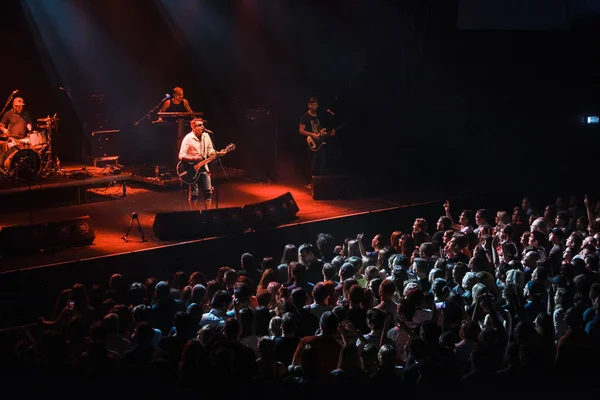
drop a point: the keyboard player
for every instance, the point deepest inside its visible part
(175, 104)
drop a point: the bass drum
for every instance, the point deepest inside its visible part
(23, 164)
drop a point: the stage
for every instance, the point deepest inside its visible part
(110, 213)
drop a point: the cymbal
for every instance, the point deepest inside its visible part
(48, 119)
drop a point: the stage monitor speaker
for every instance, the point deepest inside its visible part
(178, 225)
(275, 212)
(18, 239)
(333, 187)
(74, 232)
(222, 221)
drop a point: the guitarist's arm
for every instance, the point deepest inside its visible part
(212, 151)
(304, 132)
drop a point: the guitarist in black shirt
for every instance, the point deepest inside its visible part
(316, 137)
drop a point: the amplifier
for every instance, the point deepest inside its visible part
(105, 143)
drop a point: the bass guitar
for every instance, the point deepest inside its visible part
(189, 172)
(324, 135)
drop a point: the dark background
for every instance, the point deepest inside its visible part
(445, 92)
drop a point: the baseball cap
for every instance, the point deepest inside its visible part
(18, 101)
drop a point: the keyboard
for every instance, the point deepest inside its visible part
(179, 114)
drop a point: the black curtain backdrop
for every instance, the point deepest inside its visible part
(427, 101)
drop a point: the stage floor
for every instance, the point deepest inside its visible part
(110, 215)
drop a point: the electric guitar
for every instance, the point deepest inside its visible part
(189, 171)
(324, 134)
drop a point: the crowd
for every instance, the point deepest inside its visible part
(500, 301)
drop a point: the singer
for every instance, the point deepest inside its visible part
(197, 146)
(16, 122)
(312, 127)
(175, 104)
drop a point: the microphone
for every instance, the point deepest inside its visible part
(167, 96)
(16, 91)
(208, 130)
(330, 112)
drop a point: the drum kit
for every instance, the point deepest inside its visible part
(27, 158)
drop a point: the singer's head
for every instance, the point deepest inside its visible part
(178, 94)
(18, 104)
(197, 125)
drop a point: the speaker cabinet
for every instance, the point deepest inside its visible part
(19, 239)
(178, 225)
(73, 232)
(222, 221)
(274, 212)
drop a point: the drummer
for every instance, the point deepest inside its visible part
(16, 122)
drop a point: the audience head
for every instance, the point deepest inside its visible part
(325, 244)
(275, 326)
(289, 323)
(329, 323)
(329, 272)
(306, 253)
(163, 291)
(221, 300)
(290, 253)
(198, 294)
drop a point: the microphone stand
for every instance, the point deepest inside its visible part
(150, 112)
(212, 137)
(7, 103)
(338, 158)
(83, 142)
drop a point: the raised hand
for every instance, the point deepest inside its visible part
(447, 206)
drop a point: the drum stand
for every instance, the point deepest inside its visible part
(50, 161)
